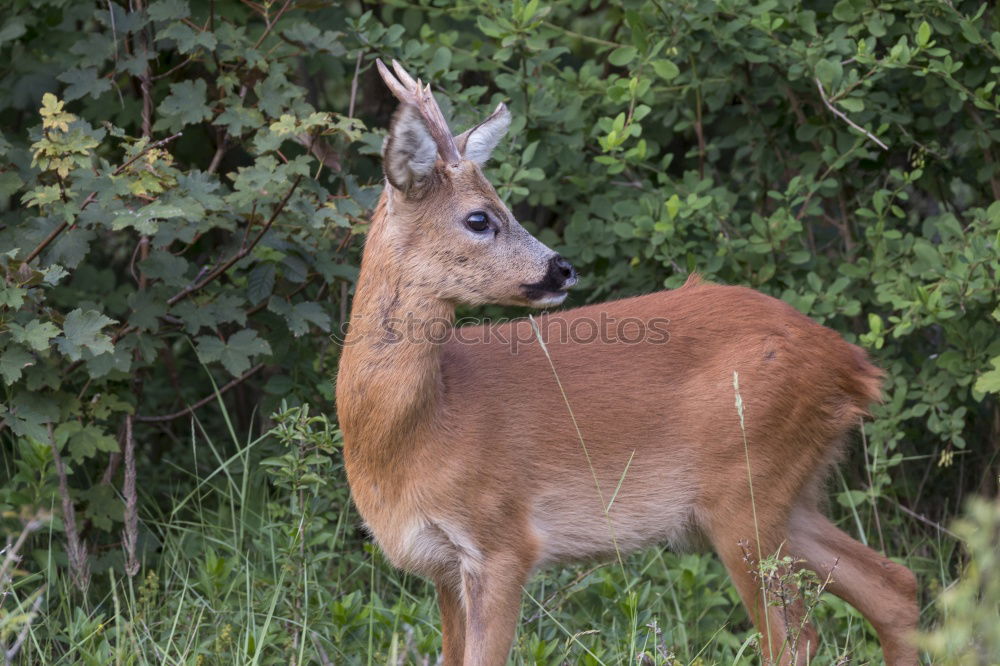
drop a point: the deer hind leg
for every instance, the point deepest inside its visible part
(774, 604)
(492, 593)
(883, 591)
(452, 622)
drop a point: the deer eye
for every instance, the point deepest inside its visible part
(478, 222)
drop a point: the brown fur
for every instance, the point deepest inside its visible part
(464, 460)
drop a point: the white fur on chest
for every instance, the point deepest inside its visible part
(431, 546)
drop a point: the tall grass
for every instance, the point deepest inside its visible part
(258, 558)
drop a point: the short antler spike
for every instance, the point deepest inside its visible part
(416, 93)
(403, 75)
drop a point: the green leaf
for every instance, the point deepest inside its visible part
(41, 196)
(852, 498)
(168, 10)
(82, 330)
(489, 27)
(199, 315)
(188, 39)
(12, 29)
(300, 315)
(852, 104)
(260, 282)
(665, 69)
(194, 315)
(326, 41)
(103, 506)
(807, 21)
(11, 297)
(185, 105)
(923, 34)
(92, 50)
(673, 206)
(71, 247)
(53, 274)
(147, 308)
(229, 307)
(162, 265)
(28, 412)
(927, 254)
(235, 353)
(36, 334)
(10, 183)
(829, 71)
(623, 55)
(847, 10)
(971, 32)
(83, 441)
(238, 119)
(13, 360)
(83, 82)
(989, 381)
(441, 60)
(143, 219)
(106, 404)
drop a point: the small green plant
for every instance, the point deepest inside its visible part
(790, 587)
(304, 505)
(19, 605)
(969, 632)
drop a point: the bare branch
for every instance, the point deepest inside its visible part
(131, 530)
(242, 252)
(173, 69)
(927, 521)
(354, 84)
(51, 237)
(204, 401)
(220, 149)
(271, 24)
(76, 550)
(840, 114)
(145, 83)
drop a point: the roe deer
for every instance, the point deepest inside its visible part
(474, 463)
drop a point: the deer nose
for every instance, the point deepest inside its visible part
(562, 270)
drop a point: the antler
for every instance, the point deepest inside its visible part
(416, 93)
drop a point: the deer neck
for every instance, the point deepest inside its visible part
(389, 383)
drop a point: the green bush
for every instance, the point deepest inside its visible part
(970, 631)
(184, 188)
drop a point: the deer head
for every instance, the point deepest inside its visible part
(450, 233)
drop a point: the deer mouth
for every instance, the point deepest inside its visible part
(541, 298)
(542, 295)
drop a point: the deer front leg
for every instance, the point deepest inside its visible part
(492, 593)
(452, 623)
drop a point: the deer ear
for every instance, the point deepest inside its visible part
(409, 152)
(478, 143)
